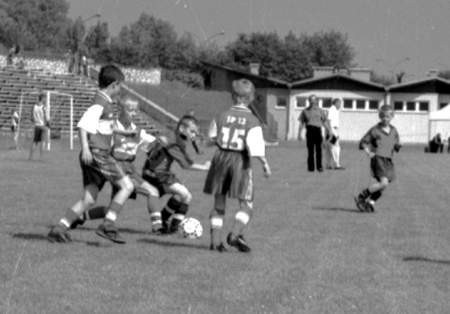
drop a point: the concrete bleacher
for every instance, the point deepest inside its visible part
(25, 84)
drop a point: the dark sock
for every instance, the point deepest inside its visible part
(364, 194)
(375, 195)
(96, 213)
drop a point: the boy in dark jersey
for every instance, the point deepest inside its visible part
(97, 163)
(379, 143)
(238, 136)
(157, 172)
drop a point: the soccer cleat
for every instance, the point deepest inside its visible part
(239, 243)
(78, 222)
(58, 234)
(220, 248)
(109, 231)
(360, 203)
(370, 206)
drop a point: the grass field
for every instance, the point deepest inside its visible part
(312, 251)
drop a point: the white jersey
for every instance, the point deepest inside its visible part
(38, 115)
(333, 117)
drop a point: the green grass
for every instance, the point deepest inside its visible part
(312, 252)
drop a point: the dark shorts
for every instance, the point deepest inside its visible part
(160, 180)
(382, 167)
(13, 128)
(230, 174)
(102, 168)
(38, 134)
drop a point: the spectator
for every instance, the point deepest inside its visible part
(313, 119)
(332, 146)
(436, 145)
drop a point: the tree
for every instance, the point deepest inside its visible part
(96, 41)
(329, 48)
(34, 24)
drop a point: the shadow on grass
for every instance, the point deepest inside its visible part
(426, 259)
(172, 243)
(122, 230)
(340, 209)
(43, 237)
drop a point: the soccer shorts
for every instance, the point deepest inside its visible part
(130, 170)
(38, 134)
(382, 167)
(102, 168)
(160, 180)
(230, 174)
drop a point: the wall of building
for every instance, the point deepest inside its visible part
(279, 113)
(353, 120)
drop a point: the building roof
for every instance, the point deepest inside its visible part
(427, 85)
(338, 81)
(270, 81)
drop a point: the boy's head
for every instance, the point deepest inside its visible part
(187, 128)
(386, 113)
(337, 103)
(128, 109)
(110, 77)
(312, 99)
(41, 97)
(243, 91)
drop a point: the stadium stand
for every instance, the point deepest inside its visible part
(15, 83)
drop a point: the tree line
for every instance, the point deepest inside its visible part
(44, 26)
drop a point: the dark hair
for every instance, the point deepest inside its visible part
(108, 75)
(386, 108)
(185, 120)
(41, 96)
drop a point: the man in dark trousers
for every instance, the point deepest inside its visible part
(313, 119)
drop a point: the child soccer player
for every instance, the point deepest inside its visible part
(379, 144)
(157, 172)
(127, 139)
(238, 136)
(97, 163)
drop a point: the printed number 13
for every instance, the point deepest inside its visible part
(236, 141)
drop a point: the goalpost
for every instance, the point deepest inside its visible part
(55, 113)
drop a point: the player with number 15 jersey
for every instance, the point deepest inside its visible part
(238, 135)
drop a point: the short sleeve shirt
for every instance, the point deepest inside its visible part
(313, 116)
(333, 117)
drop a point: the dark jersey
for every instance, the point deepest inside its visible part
(381, 143)
(232, 128)
(161, 157)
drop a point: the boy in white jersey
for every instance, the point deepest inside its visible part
(96, 162)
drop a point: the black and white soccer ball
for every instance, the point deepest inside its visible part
(191, 228)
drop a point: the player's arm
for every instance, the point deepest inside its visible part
(397, 145)
(364, 143)
(257, 148)
(185, 161)
(145, 139)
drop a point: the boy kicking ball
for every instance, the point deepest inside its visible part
(379, 143)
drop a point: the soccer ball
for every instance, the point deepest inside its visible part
(191, 228)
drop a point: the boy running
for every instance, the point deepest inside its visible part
(96, 161)
(238, 136)
(379, 143)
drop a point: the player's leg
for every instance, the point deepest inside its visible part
(177, 206)
(151, 193)
(59, 233)
(33, 144)
(376, 191)
(108, 228)
(216, 219)
(241, 188)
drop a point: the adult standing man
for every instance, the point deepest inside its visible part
(332, 146)
(313, 119)
(38, 116)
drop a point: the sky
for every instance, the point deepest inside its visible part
(388, 36)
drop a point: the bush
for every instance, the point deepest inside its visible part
(193, 80)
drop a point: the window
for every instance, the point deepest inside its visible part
(348, 103)
(423, 106)
(398, 105)
(301, 102)
(360, 104)
(326, 102)
(442, 105)
(410, 106)
(373, 104)
(281, 102)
